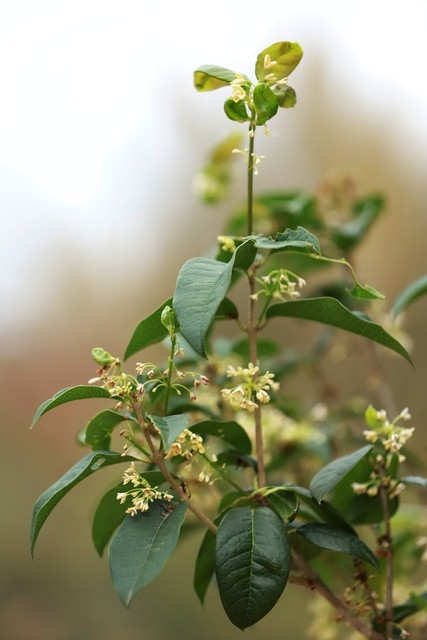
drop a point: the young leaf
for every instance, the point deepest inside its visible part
(286, 55)
(97, 432)
(69, 394)
(334, 539)
(252, 563)
(286, 97)
(413, 291)
(328, 476)
(201, 286)
(265, 103)
(230, 431)
(236, 111)
(170, 427)
(81, 470)
(142, 545)
(298, 238)
(209, 77)
(149, 331)
(110, 513)
(330, 311)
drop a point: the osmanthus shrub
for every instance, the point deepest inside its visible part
(303, 489)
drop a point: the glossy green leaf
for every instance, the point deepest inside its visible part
(209, 77)
(229, 431)
(411, 293)
(252, 563)
(298, 238)
(97, 432)
(81, 470)
(236, 111)
(201, 286)
(334, 539)
(149, 331)
(204, 568)
(330, 311)
(282, 501)
(417, 602)
(142, 545)
(227, 310)
(109, 513)
(365, 292)
(170, 427)
(287, 56)
(69, 394)
(323, 511)
(329, 476)
(265, 103)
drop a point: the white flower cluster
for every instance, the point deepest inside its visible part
(141, 494)
(253, 389)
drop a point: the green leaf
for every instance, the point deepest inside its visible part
(236, 111)
(229, 431)
(417, 602)
(286, 97)
(298, 238)
(149, 331)
(170, 427)
(110, 513)
(334, 539)
(366, 292)
(265, 103)
(282, 501)
(326, 479)
(142, 545)
(346, 236)
(81, 470)
(201, 286)
(209, 77)
(415, 480)
(69, 394)
(205, 565)
(413, 291)
(252, 563)
(287, 56)
(330, 311)
(97, 432)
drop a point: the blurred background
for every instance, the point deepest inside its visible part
(101, 136)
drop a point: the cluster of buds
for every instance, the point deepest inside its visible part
(119, 384)
(255, 159)
(253, 389)
(187, 445)
(389, 438)
(141, 494)
(389, 434)
(280, 284)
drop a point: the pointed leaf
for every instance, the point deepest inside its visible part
(287, 56)
(209, 77)
(142, 545)
(326, 479)
(334, 539)
(229, 431)
(69, 394)
(413, 291)
(109, 513)
(330, 311)
(298, 238)
(97, 432)
(252, 563)
(81, 470)
(170, 427)
(201, 286)
(149, 331)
